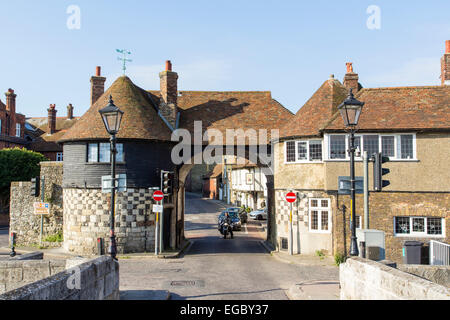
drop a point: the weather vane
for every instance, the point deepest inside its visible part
(124, 59)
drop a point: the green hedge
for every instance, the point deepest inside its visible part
(18, 165)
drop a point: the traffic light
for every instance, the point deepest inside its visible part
(166, 182)
(35, 186)
(379, 172)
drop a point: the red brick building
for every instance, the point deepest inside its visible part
(12, 124)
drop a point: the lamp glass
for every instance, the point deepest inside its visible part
(350, 114)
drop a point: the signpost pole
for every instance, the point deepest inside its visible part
(291, 238)
(156, 233)
(42, 216)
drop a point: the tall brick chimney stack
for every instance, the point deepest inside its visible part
(351, 79)
(445, 65)
(70, 111)
(97, 85)
(51, 119)
(11, 101)
(169, 93)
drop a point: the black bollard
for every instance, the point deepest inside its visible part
(13, 243)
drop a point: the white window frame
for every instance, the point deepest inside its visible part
(424, 234)
(308, 160)
(59, 156)
(397, 146)
(18, 129)
(319, 217)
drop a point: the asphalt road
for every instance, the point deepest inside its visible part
(216, 268)
(4, 237)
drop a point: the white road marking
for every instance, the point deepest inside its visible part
(246, 231)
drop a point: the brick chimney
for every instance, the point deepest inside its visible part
(70, 111)
(445, 65)
(97, 85)
(11, 101)
(169, 93)
(351, 79)
(51, 119)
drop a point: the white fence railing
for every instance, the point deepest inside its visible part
(439, 253)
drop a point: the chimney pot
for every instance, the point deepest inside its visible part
(168, 65)
(349, 67)
(447, 46)
(98, 71)
(52, 119)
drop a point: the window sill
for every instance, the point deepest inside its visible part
(419, 236)
(360, 160)
(320, 232)
(104, 163)
(305, 162)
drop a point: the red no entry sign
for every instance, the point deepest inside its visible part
(291, 197)
(158, 195)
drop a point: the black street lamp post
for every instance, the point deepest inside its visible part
(112, 116)
(350, 111)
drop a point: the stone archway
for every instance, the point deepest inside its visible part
(177, 225)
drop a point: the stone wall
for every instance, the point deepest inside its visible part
(362, 279)
(87, 216)
(96, 279)
(17, 273)
(436, 274)
(23, 222)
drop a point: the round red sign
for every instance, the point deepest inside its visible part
(291, 197)
(158, 195)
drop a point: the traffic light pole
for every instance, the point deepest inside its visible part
(366, 189)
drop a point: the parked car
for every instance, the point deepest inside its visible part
(235, 220)
(241, 211)
(260, 214)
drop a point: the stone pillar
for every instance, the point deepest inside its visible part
(97, 85)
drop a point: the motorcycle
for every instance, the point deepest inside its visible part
(226, 228)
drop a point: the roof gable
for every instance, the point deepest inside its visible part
(317, 111)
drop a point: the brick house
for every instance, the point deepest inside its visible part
(411, 125)
(212, 183)
(12, 124)
(44, 132)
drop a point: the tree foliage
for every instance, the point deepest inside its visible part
(18, 165)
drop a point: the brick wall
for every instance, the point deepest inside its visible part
(383, 207)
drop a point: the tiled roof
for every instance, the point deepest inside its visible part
(223, 110)
(140, 119)
(42, 140)
(317, 111)
(402, 108)
(217, 171)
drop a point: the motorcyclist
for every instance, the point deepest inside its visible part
(227, 219)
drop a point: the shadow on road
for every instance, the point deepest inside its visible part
(218, 245)
(174, 296)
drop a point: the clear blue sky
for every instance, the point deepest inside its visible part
(287, 47)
